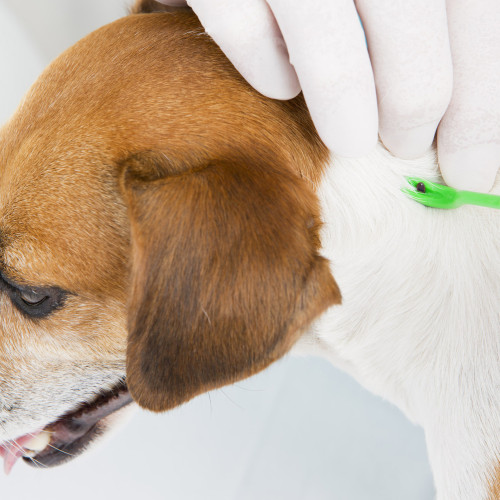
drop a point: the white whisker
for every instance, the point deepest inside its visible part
(62, 451)
(37, 462)
(235, 404)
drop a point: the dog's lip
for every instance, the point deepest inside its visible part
(72, 433)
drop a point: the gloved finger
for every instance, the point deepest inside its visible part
(248, 34)
(469, 134)
(328, 50)
(411, 59)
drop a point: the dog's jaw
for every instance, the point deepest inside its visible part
(74, 432)
(71, 434)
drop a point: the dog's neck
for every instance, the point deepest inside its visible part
(419, 321)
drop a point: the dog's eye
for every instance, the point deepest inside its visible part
(38, 302)
(32, 297)
(33, 301)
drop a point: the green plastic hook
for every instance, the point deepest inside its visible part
(440, 196)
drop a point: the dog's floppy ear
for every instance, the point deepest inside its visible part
(225, 273)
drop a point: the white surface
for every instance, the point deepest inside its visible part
(299, 431)
(15, 77)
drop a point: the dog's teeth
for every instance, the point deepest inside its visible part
(39, 442)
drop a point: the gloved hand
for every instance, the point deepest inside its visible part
(283, 46)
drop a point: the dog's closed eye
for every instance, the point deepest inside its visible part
(34, 302)
(38, 302)
(33, 297)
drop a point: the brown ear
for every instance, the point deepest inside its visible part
(225, 274)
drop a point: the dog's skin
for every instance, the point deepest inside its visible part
(161, 221)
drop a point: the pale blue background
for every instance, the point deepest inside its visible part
(299, 431)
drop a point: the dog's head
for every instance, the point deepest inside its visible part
(158, 224)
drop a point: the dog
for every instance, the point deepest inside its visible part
(165, 230)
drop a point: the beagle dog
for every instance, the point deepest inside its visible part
(165, 230)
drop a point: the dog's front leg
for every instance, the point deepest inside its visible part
(463, 451)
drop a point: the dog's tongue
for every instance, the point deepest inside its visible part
(11, 451)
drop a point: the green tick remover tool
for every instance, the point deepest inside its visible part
(439, 196)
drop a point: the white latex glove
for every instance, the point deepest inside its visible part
(283, 46)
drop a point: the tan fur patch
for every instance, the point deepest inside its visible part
(495, 485)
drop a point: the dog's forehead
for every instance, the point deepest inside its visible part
(153, 82)
(60, 207)
(57, 217)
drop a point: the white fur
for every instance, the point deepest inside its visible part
(420, 319)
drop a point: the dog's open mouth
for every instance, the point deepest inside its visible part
(68, 436)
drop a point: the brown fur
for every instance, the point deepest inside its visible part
(142, 172)
(225, 274)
